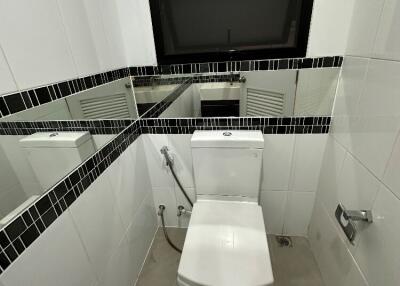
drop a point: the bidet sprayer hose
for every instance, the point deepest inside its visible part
(170, 163)
(161, 209)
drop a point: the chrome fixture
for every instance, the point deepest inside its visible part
(161, 209)
(154, 81)
(358, 215)
(347, 219)
(231, 78)
(242, 79)
(170, 163)
(182, 210)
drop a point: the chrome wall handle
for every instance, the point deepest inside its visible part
(347, 219)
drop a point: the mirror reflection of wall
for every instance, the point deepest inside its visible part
(315, 92)
(152, 89)
(31, 164)
(34, 162)
(279, 93)
(114, 100)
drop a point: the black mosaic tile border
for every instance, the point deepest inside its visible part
(268, 125)
(32, 222)
(239, 66)
(101, 126)
(26, 99)
(157, 80)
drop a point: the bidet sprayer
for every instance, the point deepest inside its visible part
(168, 159)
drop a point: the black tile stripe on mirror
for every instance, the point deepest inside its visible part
(26, 99)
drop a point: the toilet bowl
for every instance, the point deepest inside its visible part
(226, 242)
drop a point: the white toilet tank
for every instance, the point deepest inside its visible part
(52, 155)
(227, 164)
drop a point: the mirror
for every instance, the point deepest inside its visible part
(114, 100)
(279, 93)
(50, 140)
(34, 161)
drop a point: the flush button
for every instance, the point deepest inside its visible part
(227, 133)
(53, 134)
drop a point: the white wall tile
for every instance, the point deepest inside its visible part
(129, 181)
(391, 177)
(350, 87)
(103, 50)
(378, 252)
(159, 173)
(328, 32)
(277, 161)
(357, 187)
(387, 44)
(334, 260)
(136, 27)
(7, 83)
(308, 155)
(298, 213)
(79, 36)
(330, 171)
(98, 223)
(181, 151)
(57, 257)
(39, 54)
(140, 236)
(125, 264)
(112, 29)
(273, 206)
(374, 130)
(363, 27)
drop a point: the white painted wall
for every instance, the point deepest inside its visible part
(102, 239)
(51, 41)
(291, 165)
(71, 38)
(361, 163)
(137, 31)
(329, 29)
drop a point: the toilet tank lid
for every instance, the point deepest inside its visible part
(55, 139)
(228, 139)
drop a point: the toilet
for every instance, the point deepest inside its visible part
(52, 155)
(226, 243)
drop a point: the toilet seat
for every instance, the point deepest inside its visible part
(226, 244)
